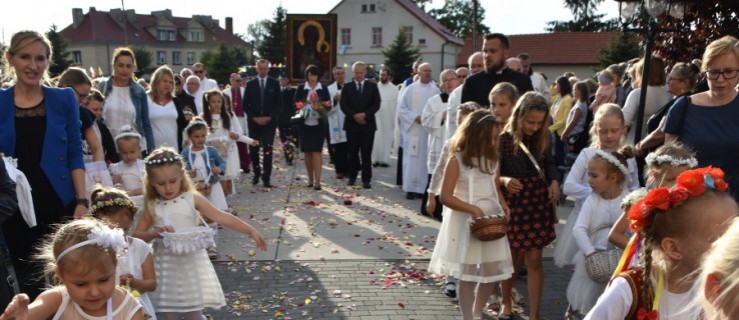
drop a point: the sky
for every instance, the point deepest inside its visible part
(505, 16)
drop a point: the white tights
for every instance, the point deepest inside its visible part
(472, 301)
(193, 315)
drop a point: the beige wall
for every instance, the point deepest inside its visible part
(554, 71)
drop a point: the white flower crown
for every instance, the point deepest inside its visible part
(102, 236)
(613, 160)
(127, 131)
(675, 162)
(633, 197)
(175, 158)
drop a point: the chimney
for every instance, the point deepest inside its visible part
(77, 17)
(230, 25)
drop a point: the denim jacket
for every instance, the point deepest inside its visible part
(214, 161)
(138, 98)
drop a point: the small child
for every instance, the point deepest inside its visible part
(82, 255)
(186, 282)
(503, 98)
(674, 228)
(717, 281)
(136, 266)
(576, 134)
(607, 131)
(471, 190)
(606, 92)
(95, 102)
(128, 174)
(608, 174)
(532, 185)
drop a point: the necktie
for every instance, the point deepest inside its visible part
(359, 87)
(261, 93)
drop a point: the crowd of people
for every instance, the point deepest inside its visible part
(490, 139)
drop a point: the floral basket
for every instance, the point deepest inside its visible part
(601, 265)
(202, 187)
(189, 240)
(493, 225)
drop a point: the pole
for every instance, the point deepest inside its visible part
(474, 26)
(651, 27)
(125, 24)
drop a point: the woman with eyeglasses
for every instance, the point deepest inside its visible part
(126, 101)
(77, 79)
(707, 121)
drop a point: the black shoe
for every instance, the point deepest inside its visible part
(255, 180)
(339, 176)
(267, 184)
(375, 164)
(450, 290)
(290, 163)
(351, 182)
(384, 165)
(523, 272)
(317, 187)
(410, 195)
(366, 185)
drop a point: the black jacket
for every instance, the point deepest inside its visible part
(252, 102)
(477, 87)
(287, 108)
(352, 103)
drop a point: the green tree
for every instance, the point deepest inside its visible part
(226, 60)
(399, 57)
(584, 18)
(272, 46)
(622, 48)
(456, 15)
(256, 32)
(144, 63)
(60, 60)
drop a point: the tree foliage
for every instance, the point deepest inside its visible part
(224, 61)
(584, 18)
(456, 15)
(399, 57)
(622, 48)
(60, 60)
(144, 61)
(272, 45)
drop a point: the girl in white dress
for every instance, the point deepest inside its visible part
(186, 282)
(607, 174)
(607, 133)
(128, 174)
(470, 189)
(82, 256)
(136, 266)
(225, 131)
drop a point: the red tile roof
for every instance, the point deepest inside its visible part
(100, 26)
(552, 48)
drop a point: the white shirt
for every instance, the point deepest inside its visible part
(163, 123)
(119, 110)
(656, 98)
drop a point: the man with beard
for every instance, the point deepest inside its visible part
(475, 63)
(537, 80)
(385, 120)
(495, 51)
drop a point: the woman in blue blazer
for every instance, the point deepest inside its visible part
(40, 127)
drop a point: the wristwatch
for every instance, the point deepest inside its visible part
(84, 202)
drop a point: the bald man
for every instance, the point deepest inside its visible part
(514, 64)
(476, 64)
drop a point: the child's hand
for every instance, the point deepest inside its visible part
(193, 173)
(117, 179)
(17, 309)
(506, 211)
(430, 205)
(512, 184)
(554, 192)
(164, 229)
(233, 136)
(261, 243)
(126, 279)
(255, 143)
(216, 170)
(477, 212)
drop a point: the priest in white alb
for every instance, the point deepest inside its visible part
(385, 120)
(413, 135)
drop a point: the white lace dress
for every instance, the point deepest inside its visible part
(185, 282)
(132, 177)
(131, 263)
(457, 252)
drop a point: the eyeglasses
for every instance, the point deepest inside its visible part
(82, 96)
(199, 71)
(727, 73)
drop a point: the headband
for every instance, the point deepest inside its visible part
(194, 123)
(127, 131)
(468, 107)
(102, 236)
(614, 161)
(672, 161)
(117, 202)
(174, 158)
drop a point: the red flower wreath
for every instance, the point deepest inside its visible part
(689, 183)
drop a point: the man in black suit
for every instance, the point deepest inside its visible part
(261, 102)
(360, 100)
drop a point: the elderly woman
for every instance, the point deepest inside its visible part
(707, 121)
(166, 115)
(126, 102)
(313, 128)
(39, 126)
(77, 79)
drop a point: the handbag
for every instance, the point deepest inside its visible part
(601, 264)
(493, 225)
(190, 239)
(555, 216)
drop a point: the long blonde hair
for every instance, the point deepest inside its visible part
(20, 40)
(722, 260)
(167, 157)
(530, 101)
(605, 110)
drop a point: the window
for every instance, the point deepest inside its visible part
(161, 57)
(421, 42)
(162, 35)
(364, 8)
(377, 37)
(372, 8)
(171, 35)
(190, 58)
(176, 58)
(408, 30)
(196, 36)
(77, 57)
(346, 36)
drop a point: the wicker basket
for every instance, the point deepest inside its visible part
(188, 240)
(601, 265)
(202, 187)
(489, 228)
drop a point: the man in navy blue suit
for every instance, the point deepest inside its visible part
(360, 100)
(261, 103)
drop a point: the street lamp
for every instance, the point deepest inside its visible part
(649, 10)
